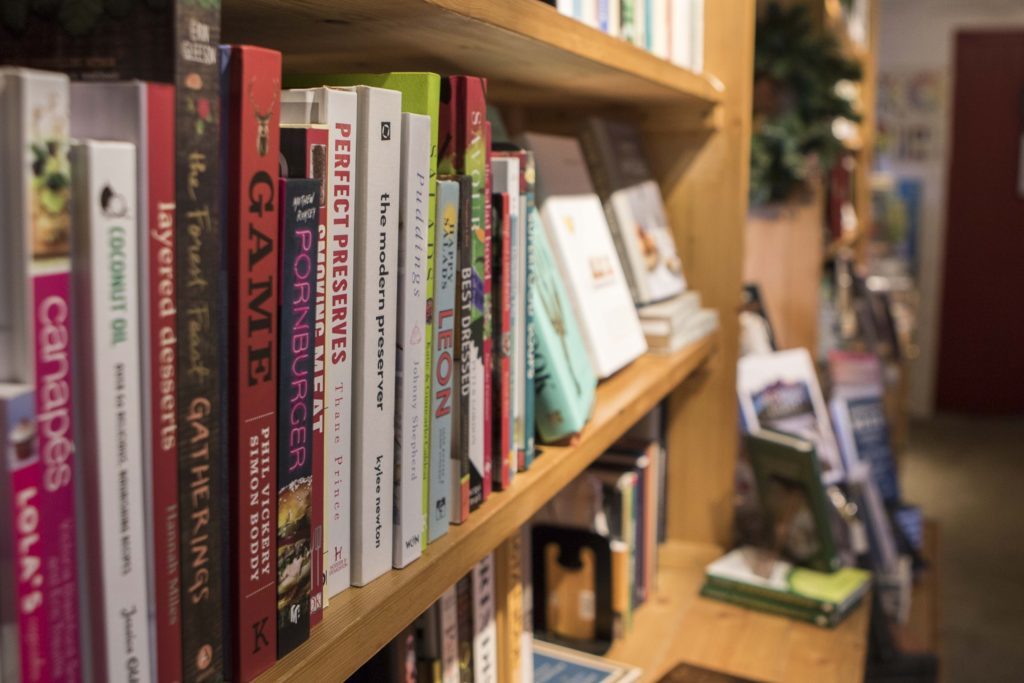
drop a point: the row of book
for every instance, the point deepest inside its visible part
(238, 318)
(670, 29)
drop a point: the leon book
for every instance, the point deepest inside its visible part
(410, 336)
(299, 221)
(36, 300)
(378, 143)
(251, 109)
(463, 149)
(143, 113)
(109, 431)
(444, 384)
(336, 110)
(304, 155)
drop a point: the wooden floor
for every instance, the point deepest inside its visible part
(678, 625)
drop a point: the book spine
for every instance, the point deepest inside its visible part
(428, 346)
(471, 160)
(518, 303)
(200, 298)
(716, 592)
(158, 239)
(342, 156)
(110, 434)
(449, 630)
(525, 569)
(38, 347)
(443, 394)
(464, 620)
(485, 653)
(488, 313)
(529, 282)
(252, 113)
(377, 199)
(501, 434)
(465, 349)
(19, 491)
(318, 514)
(299, 202)
(409, 362)
(509, 605)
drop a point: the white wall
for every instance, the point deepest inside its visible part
(919, 35)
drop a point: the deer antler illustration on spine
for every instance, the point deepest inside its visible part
(263, 119)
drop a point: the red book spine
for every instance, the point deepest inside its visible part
(163, 346)
(502, 334)
(489, 331)
(253, 155)
(318, 574)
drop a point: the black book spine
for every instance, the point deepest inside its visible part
(465, 346)
(464, 611)
(300, 210)
(202, 455)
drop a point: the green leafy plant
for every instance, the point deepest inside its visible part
(796, 68)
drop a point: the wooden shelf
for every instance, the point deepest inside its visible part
(530, 53)
(362, 620)
(678, 625)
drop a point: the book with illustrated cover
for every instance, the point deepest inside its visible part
(780, 391)
(485, 634)
(789, 486)
(463, 149)
(35, 248)
(862, 429)
(444, 374)
(336, 111)
(465, 358)
(299, 224)
(376, 194)
(108, 434)
(579, 238)
(634, 208)
(421, 93)
(409, 525)
(304, 155)
(143, 113)
(555, 663)
(564, 380)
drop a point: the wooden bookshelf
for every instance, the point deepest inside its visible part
(362, 620)
(529, 52)
(677, 625)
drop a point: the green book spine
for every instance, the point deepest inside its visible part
(421, 94)
(762, 592)
(812, 616)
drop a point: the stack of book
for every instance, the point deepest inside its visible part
(670, 325)
(752, 578)
(670, 29)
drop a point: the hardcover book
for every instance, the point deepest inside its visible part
(553, 663)
(299, 202)
(337, 111)
(501, 435)
(409, 361)
(304, 155)
(465, 359)
(449, 632)
(464, 618)
(575, 225)
(376, 193)
(36, 298)
(485, 635)
(508, 593)
(863, 433)
(109, 433)
(780, 391)
(634, 208)
(529, 305)
(421, 93)
(463, 149)
(143, 113)
(444, 380)
(565, 381)
(251, 112)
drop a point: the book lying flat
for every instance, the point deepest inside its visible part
(554, 663)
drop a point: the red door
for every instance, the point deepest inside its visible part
(981, 348)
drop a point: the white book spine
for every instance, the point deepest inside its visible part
(375, 305)
(681, 19)
(485, 631)
(449, 637)
(107, 327)
(697, 37)
(410, 358)
(336, 109)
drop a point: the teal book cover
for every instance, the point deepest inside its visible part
(564, 380)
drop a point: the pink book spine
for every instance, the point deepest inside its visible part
(489, 325)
